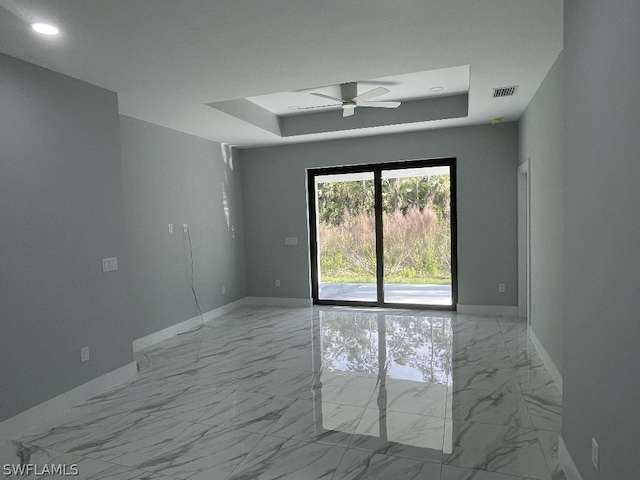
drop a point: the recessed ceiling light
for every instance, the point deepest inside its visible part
(436, 89)
(45, 29)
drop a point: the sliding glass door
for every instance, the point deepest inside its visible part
(346, 237)
(384, 234)
(416, 223)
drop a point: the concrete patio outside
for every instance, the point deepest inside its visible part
(393, 293)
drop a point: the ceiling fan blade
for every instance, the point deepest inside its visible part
(327, 96)
(348, 111)
(318, 106)
(379, 104)
(376, 92)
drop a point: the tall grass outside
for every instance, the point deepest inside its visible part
(416, 229)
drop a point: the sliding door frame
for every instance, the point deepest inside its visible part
(377, 169)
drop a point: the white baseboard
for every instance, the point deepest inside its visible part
(52, 409)
(184, 326)
(546, 359)
(502, 310)
(278, 302)
(569, 467)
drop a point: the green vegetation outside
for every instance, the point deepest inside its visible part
(416, 230)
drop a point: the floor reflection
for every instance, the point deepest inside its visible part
(436, 387)
(397, 366)
(320, 393)
(399, 345)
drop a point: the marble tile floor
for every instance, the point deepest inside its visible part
(319, 393)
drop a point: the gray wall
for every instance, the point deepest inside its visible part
(542, 142)
(172, 177)
(61, 213)
(274, 197)
(68, 201)
(602, 256)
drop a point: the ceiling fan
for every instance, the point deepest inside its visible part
(350, 99)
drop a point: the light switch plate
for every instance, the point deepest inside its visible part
(291, 241)
(84, 354)
(109, 264)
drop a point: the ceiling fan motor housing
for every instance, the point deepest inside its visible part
(348, 91)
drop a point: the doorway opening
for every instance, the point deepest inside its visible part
(384, 235)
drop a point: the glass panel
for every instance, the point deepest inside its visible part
(346, 237)
(416, 221)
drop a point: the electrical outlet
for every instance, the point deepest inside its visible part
(171, 228)
(501, 287)
(595, 454)
(277, 283)
(224, 290)
(185, 229)
(84, 354)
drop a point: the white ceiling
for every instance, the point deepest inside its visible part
(167, 59)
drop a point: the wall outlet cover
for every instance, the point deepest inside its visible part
(84, 354)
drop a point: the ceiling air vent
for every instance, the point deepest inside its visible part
(504, 91)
